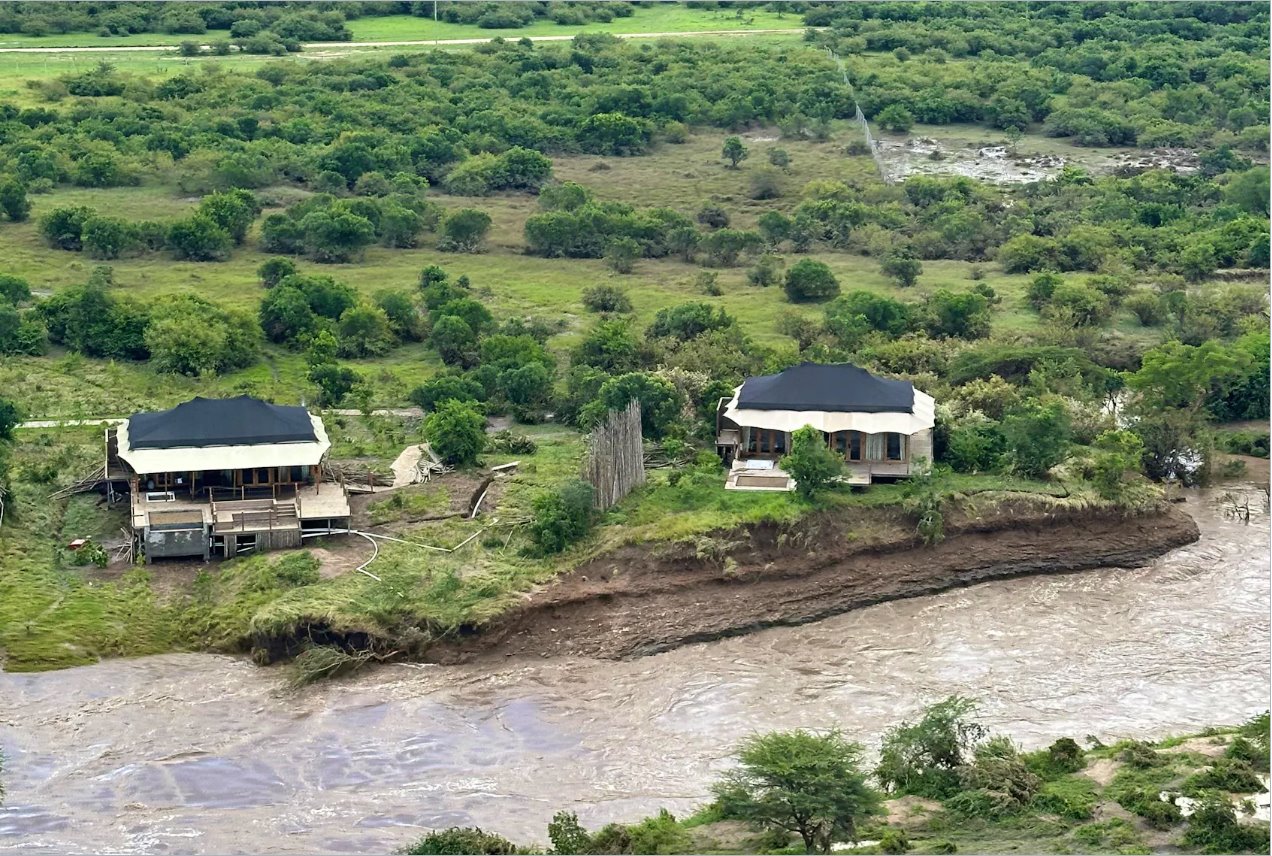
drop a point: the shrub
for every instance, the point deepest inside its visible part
(810, 281)
(464, 230)
(1213, 828)
(767, 270)
(894, 841)
(811, 462)
(1146, 307)
(273, 271)
(621, 254)
(562, 517)
(606, 298)
(447, 387)
(471, 841)
(902, 266)
(1226, 774)
(713, 216)
(922, 758)
(456, 431)
(14, 289)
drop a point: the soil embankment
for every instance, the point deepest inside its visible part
(643, 599)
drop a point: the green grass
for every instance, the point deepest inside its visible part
(514, 284)
(659, 18)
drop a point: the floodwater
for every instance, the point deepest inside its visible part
(204, 754)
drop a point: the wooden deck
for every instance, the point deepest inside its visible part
(321, 502)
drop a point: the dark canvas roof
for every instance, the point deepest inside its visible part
(242, 421)
(815, 386)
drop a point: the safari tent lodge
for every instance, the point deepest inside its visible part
(880, 426)
(220, 477)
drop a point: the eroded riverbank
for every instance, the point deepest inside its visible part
(645, 599)
(194, 753)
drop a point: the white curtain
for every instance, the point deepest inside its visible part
(876, 446)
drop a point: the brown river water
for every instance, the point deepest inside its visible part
(194, 753)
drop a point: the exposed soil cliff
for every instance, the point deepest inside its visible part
(642, 599)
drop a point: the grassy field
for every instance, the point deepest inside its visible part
(659, 18)
(683, 177)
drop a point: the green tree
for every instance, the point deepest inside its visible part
(922, 758)
(286, 315)
(14, 289)
(810, 281)
(1076, 304)
(199, 239)
(364, 331)
(779, 158)
(456, 431)
(963, 315)
(610, 346)
(1175, 376)
(461, 842)
(10, 418)
(274, 271)
(894, 117)
(774, 227)
(454, 340)
(606, 299)
(234, 211)
(464, 230)
(621, 254)
(334, 382)
(1249, 191)
(1037, 437)
(660, 402)
(901, 266)
(108, 237)
(1117, 452)
(63, 227)
(734, 151)
(723, 246)
(562, 517)
(13, 199)
(404, 318)
(811, 462)
(334, 236)
(796, 781)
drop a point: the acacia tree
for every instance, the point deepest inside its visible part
(464, 230)
(796, 781)
(734, 151)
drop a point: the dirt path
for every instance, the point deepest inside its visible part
(418, 42)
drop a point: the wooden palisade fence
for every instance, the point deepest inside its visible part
(615, 462)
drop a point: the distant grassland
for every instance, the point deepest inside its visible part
(658, 18)
(683, 177)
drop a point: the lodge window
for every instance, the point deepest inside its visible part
(298, 474)
(896, 447)
(763, 441)
(854, 445)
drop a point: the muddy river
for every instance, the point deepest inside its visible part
(204, 754)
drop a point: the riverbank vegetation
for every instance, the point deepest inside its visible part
(945, 784)
(536, 234)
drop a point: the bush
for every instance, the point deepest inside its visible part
(1146, 307)
(606, 298)
(273, 271)
(1213, 828)
(456, 431)
(1226, 774)
(470, 841)
(810, 281)
(562, 517)
(464, 230)
(894, 841)
(14, 289)
(812, 463)
(713, 216)
(902, 267)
